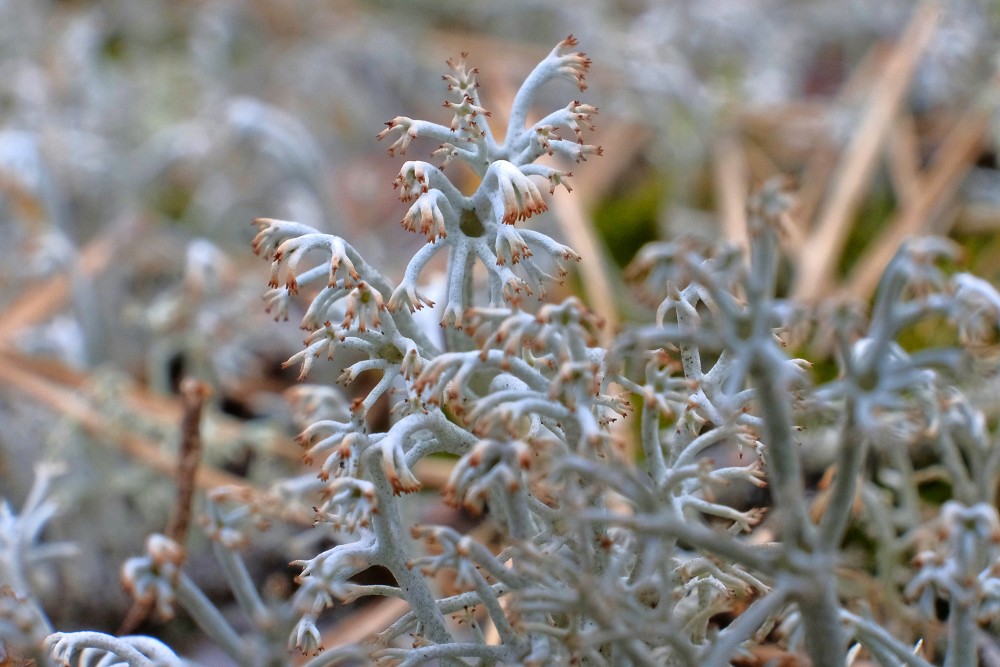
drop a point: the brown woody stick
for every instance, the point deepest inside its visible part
(193, 394)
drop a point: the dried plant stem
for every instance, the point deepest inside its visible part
(823, 160)
(904, 159)
(43, 301)
(575, 224)
(938, 184)
(853, 175)
(71, 404)
(193, 393)
(164, 411)
(732, 186)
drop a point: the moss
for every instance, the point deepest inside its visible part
(470, 224)
(982, 254)
(871, 220)
(935, 492)
(626, 221)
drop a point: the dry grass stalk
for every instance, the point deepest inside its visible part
(825, 243)
(731, 187)
(69, 403)
(193, 392)
(40, 303)
(903, 156)
(938, 184)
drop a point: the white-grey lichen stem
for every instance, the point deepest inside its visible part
(851, 452)
(241, 584)
(212, 622)
(872, 635)
(393, 554)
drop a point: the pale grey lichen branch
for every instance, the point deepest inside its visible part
(96, 649)
(642, 545)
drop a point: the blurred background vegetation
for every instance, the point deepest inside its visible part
(139, 138)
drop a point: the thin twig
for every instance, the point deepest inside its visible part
(600, 295)
(904, 159)
(45, 300)
(69, 403)
(160, 409)
(824, 245)
(731, 186)
(823, 158)
(193, 394)
(954, 157)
